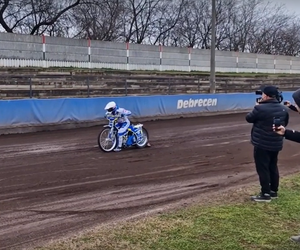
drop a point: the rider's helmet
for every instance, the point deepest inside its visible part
(111, 107)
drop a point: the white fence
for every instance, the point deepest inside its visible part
(34, 51)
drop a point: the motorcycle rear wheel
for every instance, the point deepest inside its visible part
(143, 143)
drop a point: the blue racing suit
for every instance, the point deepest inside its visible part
(122, 123)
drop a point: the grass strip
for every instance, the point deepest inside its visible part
(147, 72)
(229, 221)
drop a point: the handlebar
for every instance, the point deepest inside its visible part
(112, 119)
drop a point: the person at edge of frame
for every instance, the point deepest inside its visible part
(291, 135)
(267, 144)
(296, 97)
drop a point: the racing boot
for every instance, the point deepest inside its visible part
(119, 148)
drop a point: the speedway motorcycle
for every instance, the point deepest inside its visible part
(136, 136)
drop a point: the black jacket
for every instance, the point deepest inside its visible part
(262, 134)
(296, 97)
(292, 107)
(292, 135)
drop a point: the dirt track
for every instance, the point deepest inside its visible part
(53, 184)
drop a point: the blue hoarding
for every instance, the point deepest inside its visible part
(55, 111)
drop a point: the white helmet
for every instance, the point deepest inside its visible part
(111, 106)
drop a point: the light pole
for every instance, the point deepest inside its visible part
(212, 79)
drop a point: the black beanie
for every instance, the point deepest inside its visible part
(270, 91)
(296, 97)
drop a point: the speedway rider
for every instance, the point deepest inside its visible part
(123, 122)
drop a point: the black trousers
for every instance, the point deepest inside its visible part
(267, 169)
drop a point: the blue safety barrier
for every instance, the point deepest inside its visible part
(56, 111)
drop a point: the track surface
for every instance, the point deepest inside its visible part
(57, 183)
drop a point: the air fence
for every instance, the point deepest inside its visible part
(34, 51)
(42, 112)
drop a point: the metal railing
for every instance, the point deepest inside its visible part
(68, 85)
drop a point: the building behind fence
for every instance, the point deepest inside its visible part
(34, 51)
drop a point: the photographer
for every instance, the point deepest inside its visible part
(294, 136)
(267, 144)
(291, 135)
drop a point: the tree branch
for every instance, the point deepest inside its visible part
(54, 19)
(2, 21)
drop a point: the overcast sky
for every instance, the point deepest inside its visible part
(292, 6)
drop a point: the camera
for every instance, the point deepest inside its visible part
(258, 92)
(279, 97)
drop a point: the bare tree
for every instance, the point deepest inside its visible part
(138, 18)
(256, 26)
(270, 25)
(32, 16)
(252, 26)
(99, 19)
(288, 42)
(187, 32)
(168, 14)
(228, 28)
(194, 27)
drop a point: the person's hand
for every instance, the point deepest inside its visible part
(298, 109)
(258, 101)
(108, 115)
(280, 130)
(287, 103)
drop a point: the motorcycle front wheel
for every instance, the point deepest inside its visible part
(104, 142)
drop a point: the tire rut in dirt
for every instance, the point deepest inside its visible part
(73, 185)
